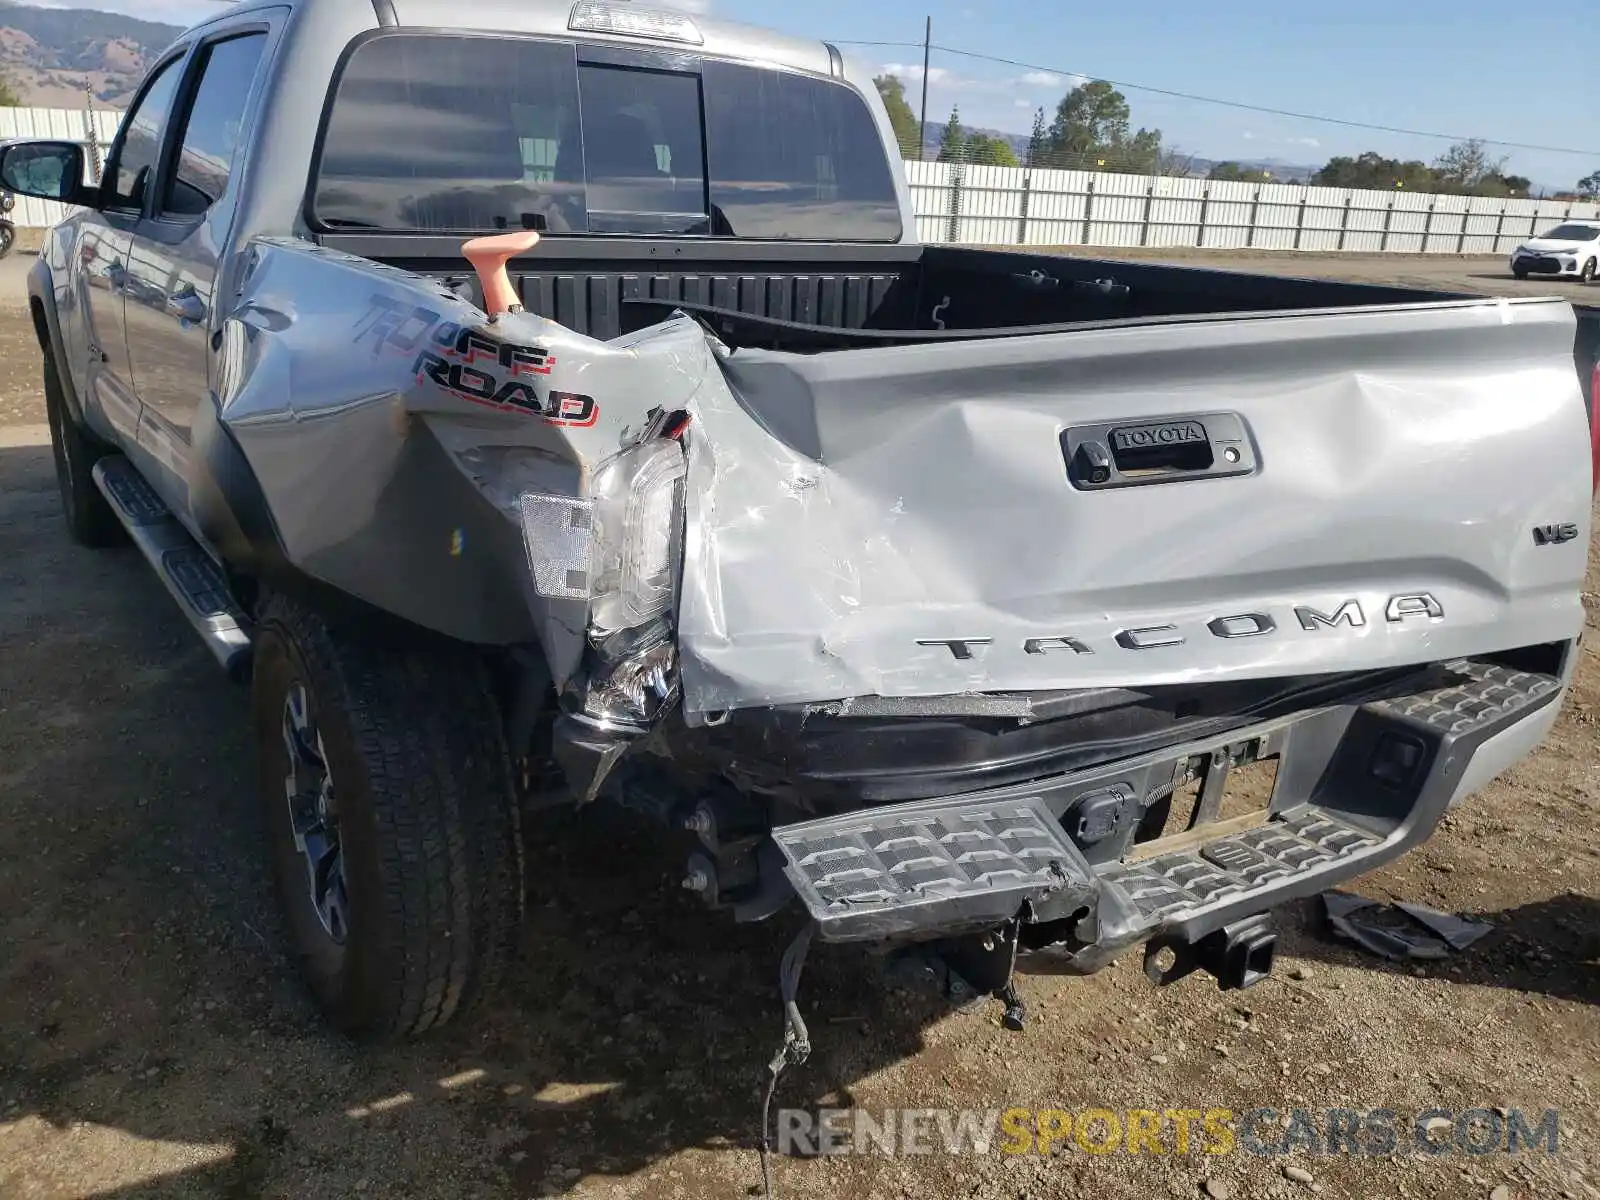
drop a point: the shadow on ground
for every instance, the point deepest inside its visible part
(147, 1010)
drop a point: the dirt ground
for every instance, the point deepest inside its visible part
(154, 1041)
(1476, 274)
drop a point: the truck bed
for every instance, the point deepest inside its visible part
(889, 293)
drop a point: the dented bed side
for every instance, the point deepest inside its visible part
(903, 522)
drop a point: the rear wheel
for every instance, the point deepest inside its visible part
(393, 823)
(90, 520)
(8, 237)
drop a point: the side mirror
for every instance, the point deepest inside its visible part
(46, 170)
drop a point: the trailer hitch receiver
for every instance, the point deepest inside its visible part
(1238, 955)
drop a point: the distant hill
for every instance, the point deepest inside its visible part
(51, 55)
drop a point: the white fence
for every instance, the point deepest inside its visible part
(1018, 206)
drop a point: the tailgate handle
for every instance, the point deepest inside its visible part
(1171, 446)
(1114, 454)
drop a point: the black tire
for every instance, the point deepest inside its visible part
(427, 824)
(1519, 272)
(8, 237)
(90, 520)
(1586, 275)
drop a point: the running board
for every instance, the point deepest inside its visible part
(190, 574)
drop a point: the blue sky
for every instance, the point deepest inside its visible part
(1467, 67)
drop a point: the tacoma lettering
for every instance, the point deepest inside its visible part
(1347, 616)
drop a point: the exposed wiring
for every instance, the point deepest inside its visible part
(796, 1047)
(1239, 104)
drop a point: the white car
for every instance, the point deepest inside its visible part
(1569, 249)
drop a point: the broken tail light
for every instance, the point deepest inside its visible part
(620, 549)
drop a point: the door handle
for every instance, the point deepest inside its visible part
(187, 306)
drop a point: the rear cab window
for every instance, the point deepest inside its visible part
(460, 133)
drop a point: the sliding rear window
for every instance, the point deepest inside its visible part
(460, 134)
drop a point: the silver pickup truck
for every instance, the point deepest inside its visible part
(550, 403)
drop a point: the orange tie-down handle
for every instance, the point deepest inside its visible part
(489, 256)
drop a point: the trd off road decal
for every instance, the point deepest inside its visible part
(469, 364)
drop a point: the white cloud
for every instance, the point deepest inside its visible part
(1305, 141)
(1248, 136)
(913, 71)
(1049, 79)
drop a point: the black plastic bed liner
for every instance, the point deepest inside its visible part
(606, 286)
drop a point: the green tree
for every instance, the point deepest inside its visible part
(1497, 184)
(1090, 118)
(1589, 185)
(1141, 154)
(988, 151)
(1039, 139)
(1373, 171)
(1093, 123)
(907, 131)
(10, 96)
(953, 142)
(1232, 172)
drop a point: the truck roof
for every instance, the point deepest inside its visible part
(731, 39)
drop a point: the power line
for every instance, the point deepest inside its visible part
(1239, 104)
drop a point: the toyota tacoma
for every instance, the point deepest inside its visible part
(538, 403)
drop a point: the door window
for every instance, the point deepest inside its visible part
(136, 161)
(212, 125)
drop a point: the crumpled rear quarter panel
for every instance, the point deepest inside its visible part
(396, 481)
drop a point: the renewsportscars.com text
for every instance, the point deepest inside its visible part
(1216, 1131)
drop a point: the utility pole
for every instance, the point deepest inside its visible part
(922, 126)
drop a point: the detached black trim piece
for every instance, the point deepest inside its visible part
(386, 13)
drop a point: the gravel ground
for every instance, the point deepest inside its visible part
(154, 1043)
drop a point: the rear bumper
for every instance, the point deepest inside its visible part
(1357, 785)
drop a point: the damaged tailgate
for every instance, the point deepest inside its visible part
(1135, 505)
